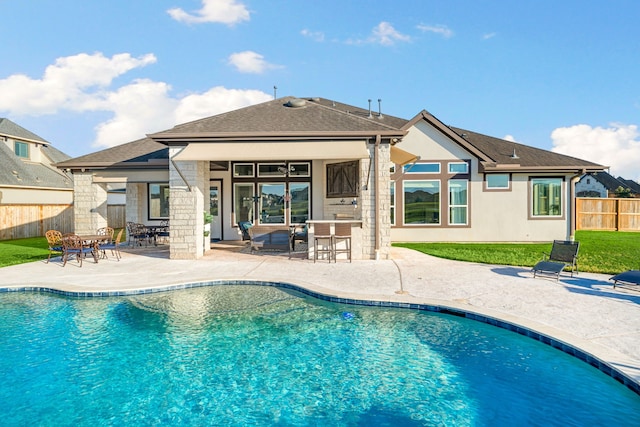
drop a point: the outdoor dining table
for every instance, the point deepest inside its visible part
(93, 241)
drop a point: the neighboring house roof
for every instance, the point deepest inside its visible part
(610, 182)
(632, 185)
(17, 172)
(319, 118)
(13, 130)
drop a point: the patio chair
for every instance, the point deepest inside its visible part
(163, 231)
(321, 234)
(630, 277)
(243, 227)
(564, 253)
(114, 246)
(106, 231)
(54, 239)
(138, 233)
(342, 234)
(73, 245)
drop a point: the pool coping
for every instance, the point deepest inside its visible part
(611, 363)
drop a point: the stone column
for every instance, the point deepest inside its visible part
(188, 183)
(368, 203)
(89, 203)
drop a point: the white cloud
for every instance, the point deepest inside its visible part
(72, 83)
(383, 34)
(617, 146)
(443, 30)
(84, 83)
(223, 11)
(510, 138)
(489, 36)
(314, 35)
(217, 100)
(250, 62)
(138, 108)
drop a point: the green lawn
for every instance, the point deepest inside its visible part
(600, 251)
(20, 251)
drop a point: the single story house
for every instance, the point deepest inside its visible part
(301, 160)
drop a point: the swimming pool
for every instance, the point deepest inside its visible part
(258, 355)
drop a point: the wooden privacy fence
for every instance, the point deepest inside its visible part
(22, 221)
(607, 214)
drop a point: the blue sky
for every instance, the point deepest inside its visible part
(558, 75)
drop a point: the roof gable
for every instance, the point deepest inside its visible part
(16, 172)
(15, 131)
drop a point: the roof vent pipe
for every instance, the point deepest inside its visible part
(514, 155)
(379, 108)
(370, 116)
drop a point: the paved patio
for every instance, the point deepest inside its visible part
(584, 311)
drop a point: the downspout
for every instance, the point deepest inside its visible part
(376, 159)
(573, 205)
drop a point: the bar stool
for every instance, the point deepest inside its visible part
(322, 232)
(342, 234)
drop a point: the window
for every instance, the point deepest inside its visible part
(546, 197)
(421, 202)
(422, 168)
(271, 203)
(243, 202)
(393, 203)
(459, 168)
(342, 179)
(497, 181)
(268, 170)
(299, 201)
(21, 149)
(244, 170)
(458, 201)
(158, 201)
(299, 169)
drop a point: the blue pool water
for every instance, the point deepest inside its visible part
(251, 355)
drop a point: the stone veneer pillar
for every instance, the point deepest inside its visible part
(89, 203)
(186, 207)
(368, 203)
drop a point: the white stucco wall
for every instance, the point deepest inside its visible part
(494, 216)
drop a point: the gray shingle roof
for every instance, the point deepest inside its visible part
(285, 116)
(502, 152)
(610, 182)
(16, 172)
(9, 128)
(291, 117)
(632, 185)
(141, 153)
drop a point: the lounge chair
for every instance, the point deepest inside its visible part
(631, 277)
(272, 238)
(563, 254)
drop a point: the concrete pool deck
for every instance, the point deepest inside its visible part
(583, 311)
